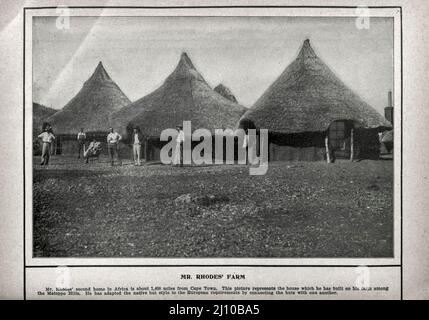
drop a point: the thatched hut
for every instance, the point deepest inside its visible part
(90, 109)
(312, 115)
(387, 141)
(386, 137)
(184, 96)
(225, 92)
(40, 114)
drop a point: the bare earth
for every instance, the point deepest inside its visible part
(298, 209)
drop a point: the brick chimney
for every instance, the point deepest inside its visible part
(388, 111)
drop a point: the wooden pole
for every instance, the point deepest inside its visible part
(328, 157)
(352, 155)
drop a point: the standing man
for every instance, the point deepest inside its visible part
(178, 158)
(113, 139)
(81, 137)
(47, 137)
(137, 142)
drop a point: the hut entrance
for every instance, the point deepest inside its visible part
(339, 138)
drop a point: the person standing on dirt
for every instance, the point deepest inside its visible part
(81, 138)
(137, 140)
(47, 137)
(113, 139)
(178, 152)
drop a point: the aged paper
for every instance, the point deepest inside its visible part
(119, 186)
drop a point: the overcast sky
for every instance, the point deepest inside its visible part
(244, 53)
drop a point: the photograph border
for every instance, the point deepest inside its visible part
(400, 265)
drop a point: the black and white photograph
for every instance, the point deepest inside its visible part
(213, 136)
(214, 155)
(227, 153)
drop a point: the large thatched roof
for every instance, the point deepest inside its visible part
(307, 97)
(92, 107)
(184, 96)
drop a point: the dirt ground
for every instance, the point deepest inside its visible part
(298, 209)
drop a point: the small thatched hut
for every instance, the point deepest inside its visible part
(386, 137)
(387, 140)
(225, 92)
(90, 109)
(40, 114)
(184, 96)
(312, 115)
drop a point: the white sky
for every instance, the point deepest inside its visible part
(245, 53)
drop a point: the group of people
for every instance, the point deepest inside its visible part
(112, 140)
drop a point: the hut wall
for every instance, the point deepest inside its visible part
(153, 153)
(296, 147)
(303, 147)
(367, 144)
(151, 148)
(386, 147)
(126, 151)
(67, 144)
(70, 148)
(383, 149)
(310, 146)
(279, 152)
(67, 147)
(154, 146)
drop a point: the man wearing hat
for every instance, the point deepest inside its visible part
(47, 138)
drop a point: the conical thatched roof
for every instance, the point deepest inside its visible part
(225, 92)
(92, 107)
(184, 96)
(307, 97)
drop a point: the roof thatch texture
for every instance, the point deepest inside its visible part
(92, 107)
(225, 92)
(184, 96)
(40, 114)
(308, 97)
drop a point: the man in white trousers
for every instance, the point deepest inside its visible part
(137, 140)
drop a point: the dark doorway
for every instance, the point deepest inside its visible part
(339, 138)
